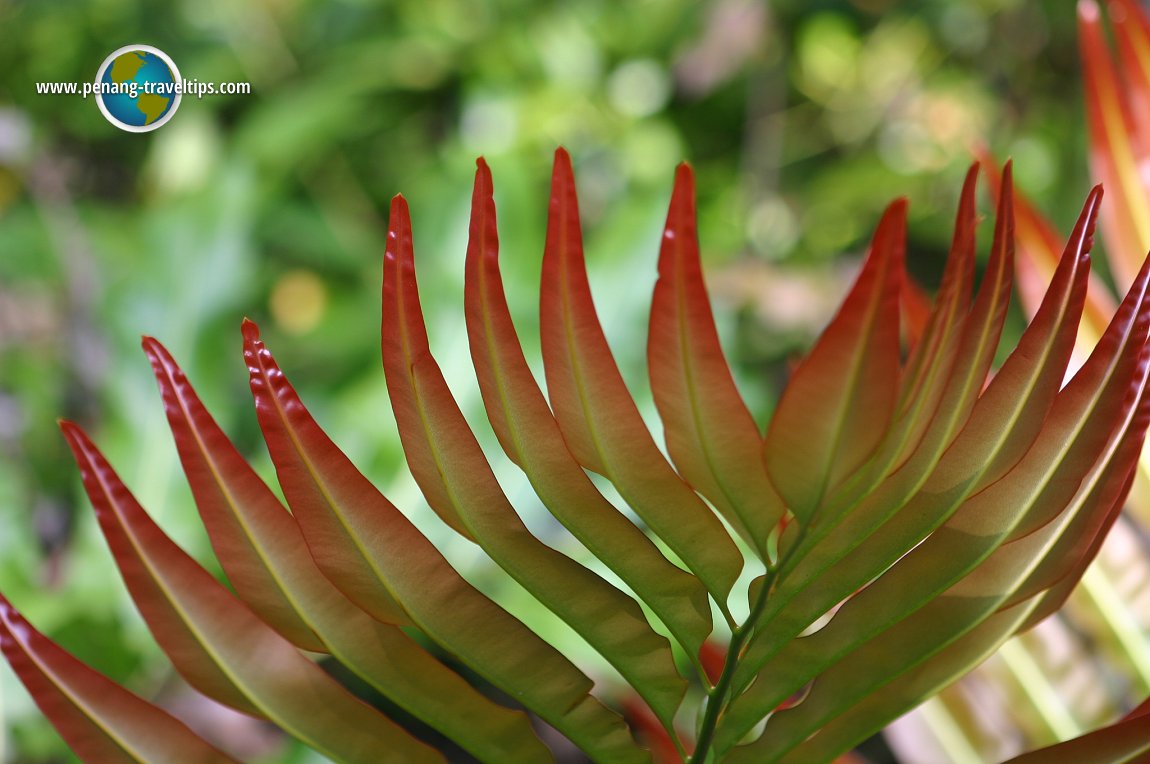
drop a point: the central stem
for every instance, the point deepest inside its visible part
(717, 697)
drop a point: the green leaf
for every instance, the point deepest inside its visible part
(970, 566)
(839, 402)
(447, 462)
(221, 647)
(710, 433)
(1065, 564)
(597, 415)
(1099, 500)
(1005, 421)
(341, 513)
(98, 718)
(903, 693)
(527, 430)
(825, 545)
(1127, 740)
(266, 558)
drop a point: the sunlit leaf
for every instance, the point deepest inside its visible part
(336, 505)
(1004, 423)
(839, 401)
(986, 551)
(219, 646)
(450, 467)
(266, 558)
(710, 433)
(529, 434)
(597, 415)
(98, 718)
(1116, 153)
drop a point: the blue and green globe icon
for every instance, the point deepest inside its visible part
(138, 88)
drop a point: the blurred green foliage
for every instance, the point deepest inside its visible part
(803, 119)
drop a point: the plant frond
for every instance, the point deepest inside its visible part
(910, 514)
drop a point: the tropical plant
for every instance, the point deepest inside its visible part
(1100, 637)
(904, 515)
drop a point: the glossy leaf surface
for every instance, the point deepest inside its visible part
(267, 560)
(840, 400)
(98, 718)
(710, 433)
(597, 415)
(450, 467)
(530, 436)
(334, 501)
(219, 646)
(909, 512)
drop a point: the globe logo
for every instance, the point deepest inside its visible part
(138, 88)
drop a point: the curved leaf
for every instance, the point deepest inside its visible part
(98, 718)
(825, 545)
(1131, 28)
(267, 560)
(1004, 423)
(527, 430)
(961, 543)
(597, 415)
(1027, 605)
(906, 691)
(930, 371)
(1115, 154)
(987, 549)
(224, 487)
(1124, 741)
(932, 354)
(450, 467)
(341, 512)
(219, 646)
(710, 434)
(839, 401)
(1038, 255)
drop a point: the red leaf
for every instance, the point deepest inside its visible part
(838, 404)
(232, 500)
(449, 466)
(266, 558)
(98, 718)
(710, 433)
(218, 645)
(377, 558)
(1115, 153)
(597, 415)
(529, 434)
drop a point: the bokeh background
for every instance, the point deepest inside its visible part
(803, 120)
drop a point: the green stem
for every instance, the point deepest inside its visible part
(717, 697)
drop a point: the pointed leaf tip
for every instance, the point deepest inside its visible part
(710, 435)
(609, 436)
(484, 187)
(839, 401)
(1090, 215)
(398, 207)
(100, 720)
(562, 172)
(250, 330)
